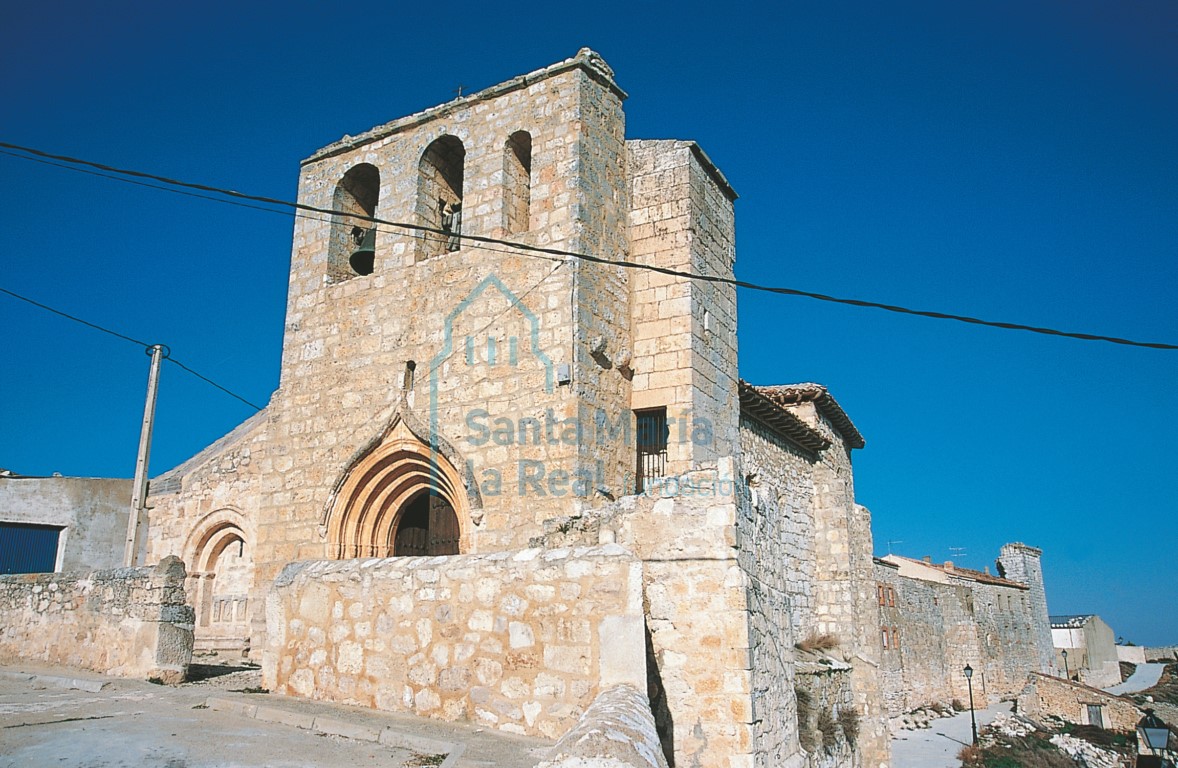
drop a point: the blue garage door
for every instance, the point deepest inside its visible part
(28, 548)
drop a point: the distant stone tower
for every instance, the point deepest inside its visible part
(1019, 562)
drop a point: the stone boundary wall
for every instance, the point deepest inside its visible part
(933, 629)
(1131, 654)
(128, 622)
(520, 641)
(617, 731)
(1046, 696)
(1162, 653)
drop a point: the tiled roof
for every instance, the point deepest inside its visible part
(967, 573)
(780, 419)
(1072, 621)
(793, 394)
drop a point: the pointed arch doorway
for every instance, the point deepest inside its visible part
(398, 499)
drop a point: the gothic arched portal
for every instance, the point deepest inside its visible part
(400, 498)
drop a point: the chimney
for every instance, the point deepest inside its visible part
(948, 565)
(928, 559)
(986, 570)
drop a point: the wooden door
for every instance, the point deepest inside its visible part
(427, 527)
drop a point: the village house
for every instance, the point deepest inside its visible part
(1087, 648)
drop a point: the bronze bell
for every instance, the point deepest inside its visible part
(364, 257)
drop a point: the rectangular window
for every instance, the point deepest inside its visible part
(896, 638)
(891, 598)
(652, 437)
(883, 633)
(880, 589)
(28, 548)
(1095, 716)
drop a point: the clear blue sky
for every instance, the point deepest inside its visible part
(1013, 160)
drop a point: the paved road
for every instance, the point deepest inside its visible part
(132, 724)
(937, 747)
(1144, 677)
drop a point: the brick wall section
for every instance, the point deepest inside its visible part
(127, 622)
(519, 641)
(1045, 696)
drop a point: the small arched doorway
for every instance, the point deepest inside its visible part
(399, 499)
(220, 566)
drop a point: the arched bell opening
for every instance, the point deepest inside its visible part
(517, 182)
(352, 248)
(439, 196)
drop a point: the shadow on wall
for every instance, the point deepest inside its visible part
(657, 695)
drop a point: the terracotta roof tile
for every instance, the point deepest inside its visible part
(780, 419)
(793, 394)
(968, 573)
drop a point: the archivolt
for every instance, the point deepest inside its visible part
(211, 536)
(364, 512)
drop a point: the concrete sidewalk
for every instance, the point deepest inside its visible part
(937, 747)
(56, 717)
(1146, 676)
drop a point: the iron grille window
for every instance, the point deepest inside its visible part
(652, 445)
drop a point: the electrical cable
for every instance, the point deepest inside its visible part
(135, 341)
(479, 239)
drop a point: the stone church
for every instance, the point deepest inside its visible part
(510, 462)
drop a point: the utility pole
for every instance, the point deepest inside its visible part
(139, 488)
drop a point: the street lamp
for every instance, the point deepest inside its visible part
(1155, 733)
(972, 720)
(1066, 672)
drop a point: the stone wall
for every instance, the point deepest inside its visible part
(776, 535)
(519, 641)
(1162, 653)
(1045, 696)
(128, 622)
(931, 629)
(1103, 668)
(844, 583)
(1131, 654)
(91, 513)
(699, 652)
(1022, 563)
(829, 721)
(617, 731)
(684, 355)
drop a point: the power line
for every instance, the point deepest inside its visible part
(68, 316)
(135, 341)
(207, 380)
(535, 249)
